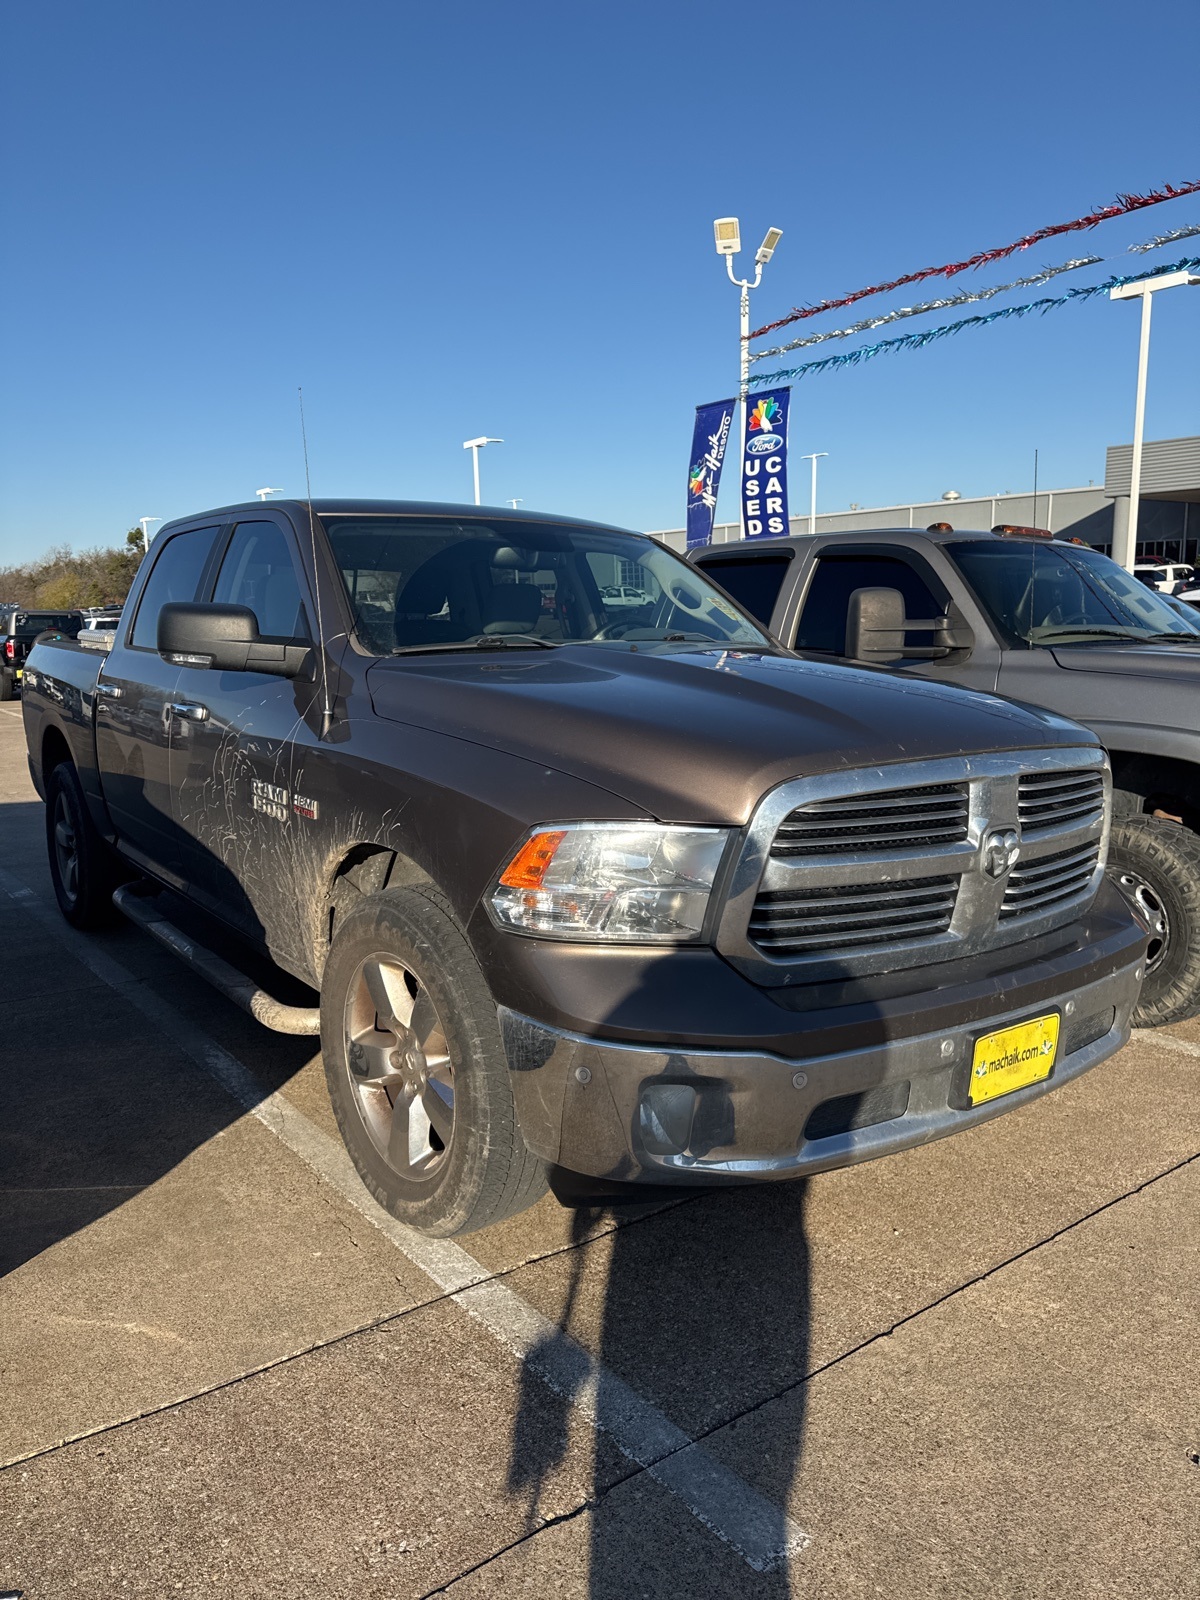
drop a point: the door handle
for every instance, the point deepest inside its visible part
(189, 712)
(110, 691)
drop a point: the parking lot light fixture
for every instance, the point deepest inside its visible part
(263, 493)
(1125, 545)
(727, 235)
(142, 521)
(475, 446)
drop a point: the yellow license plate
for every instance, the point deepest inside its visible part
(1013, 1058)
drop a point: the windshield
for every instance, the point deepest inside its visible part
(1040, 594)
(421, 584)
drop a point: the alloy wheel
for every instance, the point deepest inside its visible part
(66, 847)
(399, 1066)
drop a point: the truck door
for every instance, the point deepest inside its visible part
(836, 572)
(231, 756)
(134, 725)
(753, 578)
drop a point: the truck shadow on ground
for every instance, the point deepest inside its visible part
(96, 1105)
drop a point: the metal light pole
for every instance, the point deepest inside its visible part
(142, 521)
(475, 446)
(1125, 546)
(263, 493)
(727, 233)
(515, 503)
(814, 457)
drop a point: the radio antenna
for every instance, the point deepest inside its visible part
(326, 708)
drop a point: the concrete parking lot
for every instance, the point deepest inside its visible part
(964, 1370)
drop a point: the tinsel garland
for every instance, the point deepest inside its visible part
(868, 323)
(914, 341)
(1123, 204)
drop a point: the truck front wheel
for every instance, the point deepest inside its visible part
(416, 1068)
(1156, 865)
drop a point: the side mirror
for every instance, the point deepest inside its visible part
(227, 639)
(876, 627)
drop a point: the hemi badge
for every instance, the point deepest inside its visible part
(305, 808)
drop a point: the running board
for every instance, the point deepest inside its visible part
(234, 985)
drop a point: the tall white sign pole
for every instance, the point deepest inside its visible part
(1125, 542)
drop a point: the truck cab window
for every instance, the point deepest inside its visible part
(754, 582)
(257, 571)
(178, 567)
(822, 623)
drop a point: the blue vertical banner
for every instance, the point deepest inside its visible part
(709, 438)
(764, 466)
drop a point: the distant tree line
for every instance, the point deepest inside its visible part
(64, 579)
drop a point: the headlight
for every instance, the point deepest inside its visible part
(624, 882)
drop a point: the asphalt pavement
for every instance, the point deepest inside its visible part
(964, 1370)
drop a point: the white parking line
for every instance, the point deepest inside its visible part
(760, 1531)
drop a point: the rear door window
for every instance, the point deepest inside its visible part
(822, 624)
(178, 567)
(753, 581)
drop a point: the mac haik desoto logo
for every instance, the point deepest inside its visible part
(704, 473)
(761, 438)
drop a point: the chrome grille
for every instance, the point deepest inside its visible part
(1049, 881)
(851, 873)
(1059, 799)
(811, 921)
(890, 819)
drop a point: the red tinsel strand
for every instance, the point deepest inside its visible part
(1124, 204)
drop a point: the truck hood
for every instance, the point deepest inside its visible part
(1180, 663)
(698, 736)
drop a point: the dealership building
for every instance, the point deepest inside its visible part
(1168, 507)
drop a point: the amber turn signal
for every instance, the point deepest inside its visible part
(532, 861)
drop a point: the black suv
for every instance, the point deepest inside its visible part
(19, 627)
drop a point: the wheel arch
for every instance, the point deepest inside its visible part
(361, 869)
(1148, 784)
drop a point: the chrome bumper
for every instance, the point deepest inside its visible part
(641, 1113)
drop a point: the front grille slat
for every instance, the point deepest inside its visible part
(808, 921)
(1050, 880)
(1058, 799)
(873, 823)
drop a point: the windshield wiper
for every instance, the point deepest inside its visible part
(1059, 634)
(488, 641)
(1172, 638)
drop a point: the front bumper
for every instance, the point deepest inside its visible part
(647, 1113)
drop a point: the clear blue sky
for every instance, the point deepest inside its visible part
(448, 221)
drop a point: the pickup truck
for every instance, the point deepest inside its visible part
(19, 627)
(639, 899)
(1047, 622)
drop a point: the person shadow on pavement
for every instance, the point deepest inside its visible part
(705, 1315)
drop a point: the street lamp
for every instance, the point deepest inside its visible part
(142, 521)
(515, 503)
(475, 446)
(812, 504)
(263, 493)
(727, 234)
(1125, 540)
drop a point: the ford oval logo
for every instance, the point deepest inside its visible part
(764, 444)
(1000, 852)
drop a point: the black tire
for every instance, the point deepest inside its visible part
(7, 685)
(1156, 865)
(416, 1069)
(83, 869)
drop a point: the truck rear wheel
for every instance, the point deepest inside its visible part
(416, 1069)
(1156, 865)
(7, 685)
(83, 870)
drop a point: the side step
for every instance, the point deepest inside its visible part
(235, 985)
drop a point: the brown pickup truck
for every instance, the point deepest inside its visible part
(623, 891)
